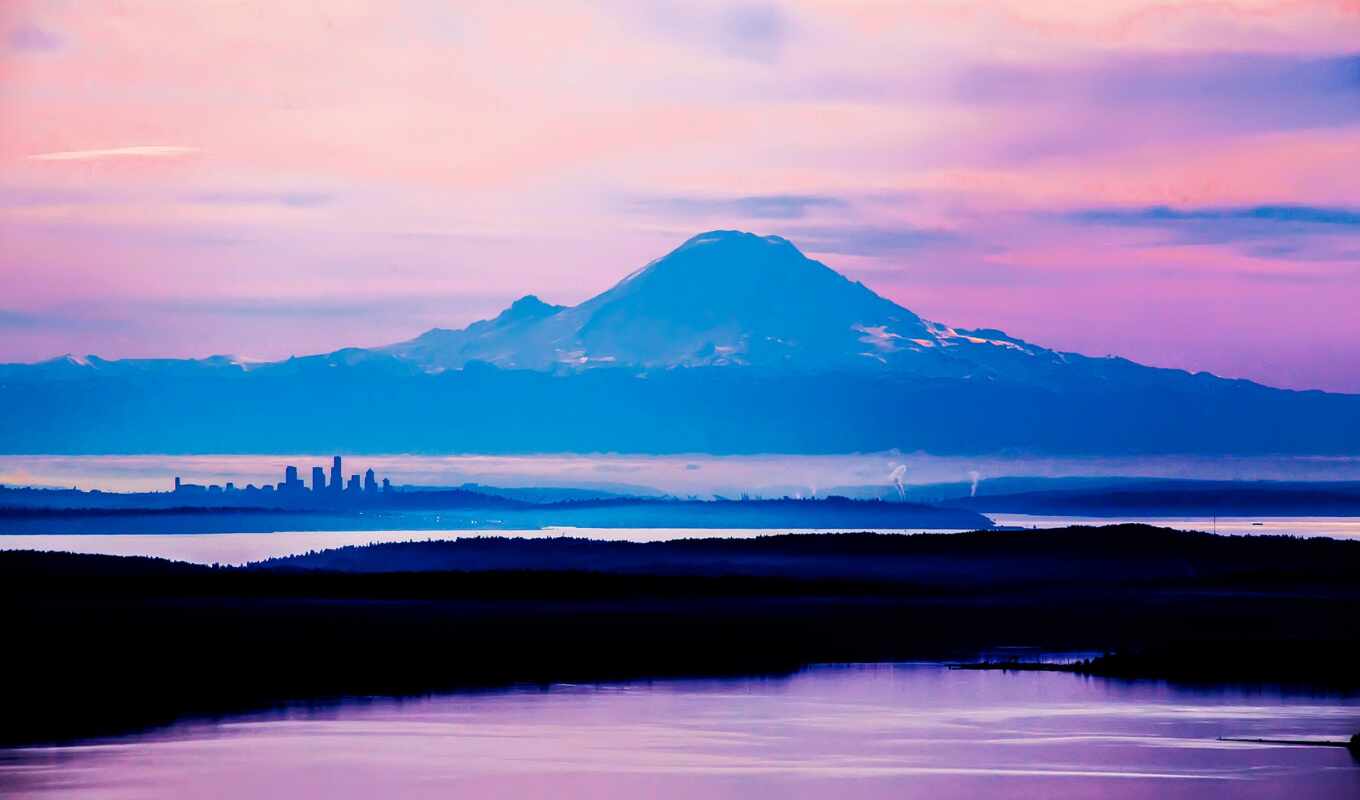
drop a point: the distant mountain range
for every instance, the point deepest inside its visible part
(732, 343)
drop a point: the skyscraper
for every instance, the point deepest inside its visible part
(290, 479)
(318, 480)
(337, 478)
(370, 483)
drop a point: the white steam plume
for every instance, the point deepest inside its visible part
(899, 472)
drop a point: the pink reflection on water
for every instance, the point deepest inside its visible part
(869, 731)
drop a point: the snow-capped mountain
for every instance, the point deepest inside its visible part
(731, 343)
(723, 298)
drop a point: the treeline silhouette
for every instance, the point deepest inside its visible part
(101, 644)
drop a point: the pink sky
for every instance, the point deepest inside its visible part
(1178, 182)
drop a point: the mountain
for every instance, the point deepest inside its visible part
(731, 343)
(723, 298)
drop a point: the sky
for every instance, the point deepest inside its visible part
(1174, 182)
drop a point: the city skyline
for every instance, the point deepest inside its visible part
(293, 485)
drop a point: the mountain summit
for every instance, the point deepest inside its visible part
(723, 298)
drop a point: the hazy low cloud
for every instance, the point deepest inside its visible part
(330, 308)
(289, 199)
(30, 38)
(69, 319)
(39, 196)
(16, 319)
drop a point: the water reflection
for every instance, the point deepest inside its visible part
(241, 548)
(873, 731)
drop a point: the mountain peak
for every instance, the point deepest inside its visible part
(723, 297)
(528, 307)
(735, 244)
(720, 236)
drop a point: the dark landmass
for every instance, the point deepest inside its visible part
(1150, 497)
(1204, 663)
(101, 644)
(1081, 555)
(70, 511)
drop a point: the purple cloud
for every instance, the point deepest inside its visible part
(32, 39)
(770, 206)
(1283, 231)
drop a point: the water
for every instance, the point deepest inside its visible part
(848, 732)
(234, 549)
(243, 548)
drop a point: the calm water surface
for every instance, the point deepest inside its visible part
(869, 731)
(242, 548)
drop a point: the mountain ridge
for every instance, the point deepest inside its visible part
(731, 343)
(778, 311)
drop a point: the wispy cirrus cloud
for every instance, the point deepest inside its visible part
(768, 206)
(1265, 218)
(1280, 231)
(752, 31)
(872, 240)
(29, 196)
(135, 151)
(1112, 103)
(1240, 90)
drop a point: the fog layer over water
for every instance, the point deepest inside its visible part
(770, 475)
(243, 548)
(869, 731)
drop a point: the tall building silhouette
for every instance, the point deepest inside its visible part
(318, 480)
(370, 482)
(337, 478)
